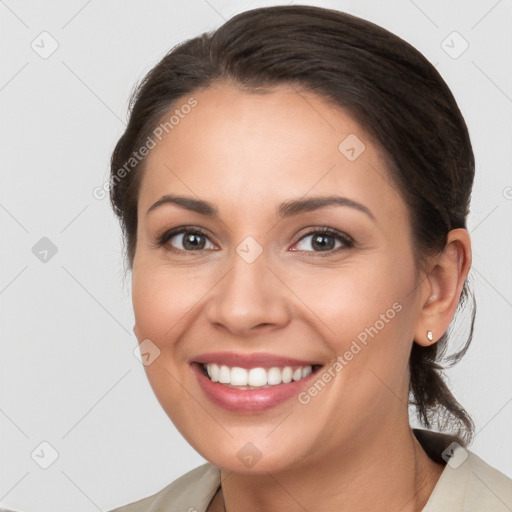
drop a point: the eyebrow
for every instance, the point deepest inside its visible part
(286, 209)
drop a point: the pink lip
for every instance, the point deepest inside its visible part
(249, 400)
(247, 361)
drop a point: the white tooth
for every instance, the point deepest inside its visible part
(274, 376)
(287, 374)
(224, 375)
(306, 370)
(239, 376)
(213, 372)
(257, 377)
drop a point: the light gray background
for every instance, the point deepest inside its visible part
(68, 373)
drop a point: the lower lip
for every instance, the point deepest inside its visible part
(248, 400)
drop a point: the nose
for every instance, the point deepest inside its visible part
(249, 298)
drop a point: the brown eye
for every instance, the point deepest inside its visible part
(192, 241)
(186, 240)
(324, 240)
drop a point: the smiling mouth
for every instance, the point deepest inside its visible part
(256, 378)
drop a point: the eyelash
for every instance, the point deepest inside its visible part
(347, 241)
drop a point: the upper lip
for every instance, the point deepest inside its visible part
(257, 360)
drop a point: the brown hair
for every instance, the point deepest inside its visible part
(388, 87)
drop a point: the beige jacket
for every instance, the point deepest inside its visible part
(467, 484)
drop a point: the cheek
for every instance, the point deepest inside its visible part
(366, 317)
(161, 302)
(352, 298)
(161, 299)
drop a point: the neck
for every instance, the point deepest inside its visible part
(387, 470)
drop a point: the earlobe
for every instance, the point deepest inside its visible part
(426, 338)
(443, 288)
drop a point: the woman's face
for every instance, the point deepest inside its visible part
(251, 283)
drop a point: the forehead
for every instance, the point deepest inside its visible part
(246, 149)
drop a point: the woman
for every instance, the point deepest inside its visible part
(293, 190)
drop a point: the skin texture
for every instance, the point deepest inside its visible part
(351, 445)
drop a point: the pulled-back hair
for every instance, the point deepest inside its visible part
(385, 84)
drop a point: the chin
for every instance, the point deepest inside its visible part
(252, 452)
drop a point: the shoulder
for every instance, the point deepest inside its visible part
(471, 485)
(193, 491)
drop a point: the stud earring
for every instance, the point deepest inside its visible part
(430, 336)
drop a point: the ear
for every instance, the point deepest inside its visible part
(442, 287)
